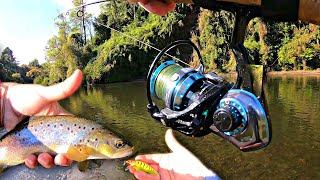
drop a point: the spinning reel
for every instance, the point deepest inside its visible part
(199, 103)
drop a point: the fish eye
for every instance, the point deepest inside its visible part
(120, 144)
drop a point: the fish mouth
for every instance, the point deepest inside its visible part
(124, 153)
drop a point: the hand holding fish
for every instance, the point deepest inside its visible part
(22, 100)
(179, 164)
(156, 6)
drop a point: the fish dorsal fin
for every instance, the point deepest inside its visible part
(79, 152)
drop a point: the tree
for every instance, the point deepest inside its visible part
(215, 29)
(62, 51)
(302, 49)
(7, 55)
(34, 63)
(9, 68)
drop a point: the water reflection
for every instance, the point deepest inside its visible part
(294, 104)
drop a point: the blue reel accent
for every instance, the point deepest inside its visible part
(245, 102)
(177, 87)
(155, 75)
(183, 88)
(238, 111)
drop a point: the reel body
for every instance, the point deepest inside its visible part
(200, 103)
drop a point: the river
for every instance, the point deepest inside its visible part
(294, 153)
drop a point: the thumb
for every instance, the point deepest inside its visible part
(198, 168)
(173, 144)
(64, 89)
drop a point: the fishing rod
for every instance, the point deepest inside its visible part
(84, 5)
(198, 103)
(115, 30)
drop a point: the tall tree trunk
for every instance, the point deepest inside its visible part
(304, 62)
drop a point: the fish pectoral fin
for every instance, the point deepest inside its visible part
(77, 153)
(83, 166)
(3, 169)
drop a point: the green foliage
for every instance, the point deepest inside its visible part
(301, 49)
(63, 53)
(34, 63)
(121, 58)
(10, 69)
(16, 75)
(108, 56)
(215, 29)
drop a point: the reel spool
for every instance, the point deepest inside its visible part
(198, 104)
(175, 85)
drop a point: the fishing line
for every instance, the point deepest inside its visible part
(140, 41)
(164, 80)
(104, 1)
(83, 5)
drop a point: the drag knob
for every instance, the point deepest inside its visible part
(227, 120)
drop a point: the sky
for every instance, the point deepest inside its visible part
(27, 25)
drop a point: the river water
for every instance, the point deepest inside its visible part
(294, 153)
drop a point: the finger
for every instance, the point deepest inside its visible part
(52, 109)
(60, 110)
(158, 7)
(155, 167)
(132, 170)
(171, 7)
(173, 144)
(62, 160)
(45, 160)
(31, 161)
(63, 89)
(150, 158)
(142, 175)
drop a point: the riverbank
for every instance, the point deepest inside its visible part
(275, 73)
(278, 73)
(272, 73)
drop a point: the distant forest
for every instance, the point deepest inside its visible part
(106, 56)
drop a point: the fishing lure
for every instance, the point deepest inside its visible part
(141, 166)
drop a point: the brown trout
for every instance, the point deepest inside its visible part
(78, 138)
